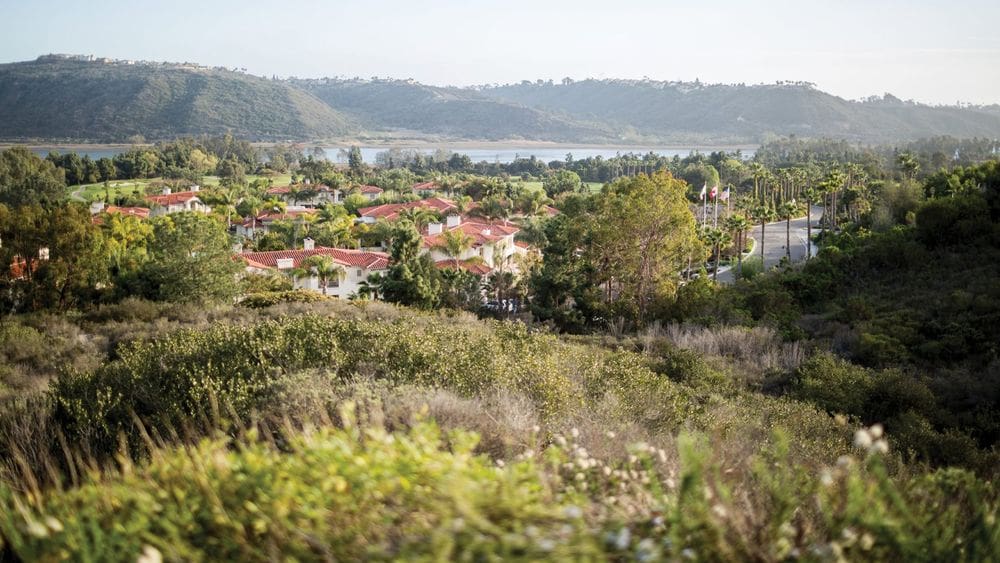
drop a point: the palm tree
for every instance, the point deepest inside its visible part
(765, 214)
(274, 205)
(786, 211)
(419, 216)
(454, 244)
(811, 195)
(371, 287)
(738, 225)
(322, 267)
(717, 239)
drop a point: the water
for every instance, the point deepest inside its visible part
(507, 155)
(503, 155)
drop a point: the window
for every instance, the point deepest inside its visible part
(359, 272)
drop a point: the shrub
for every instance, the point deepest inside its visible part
(271, 298)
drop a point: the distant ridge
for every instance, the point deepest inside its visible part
(75, 98)
(86, 98)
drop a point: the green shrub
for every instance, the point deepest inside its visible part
(271, 298)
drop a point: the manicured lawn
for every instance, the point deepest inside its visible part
(594, 187)
(116, 188)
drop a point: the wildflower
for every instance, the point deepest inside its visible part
(849, 536)
(580, 477)
(670, 483)
(611, 435)
(719, 510)
(607, 471)
(150, 555)
(845, 461)
(575, 433)
(500, 463)
(876, 431)
(536, 429)
(840, 419)
(867, 541)
(623, 539)
(880, 446)
(561, 441)
(862, 439)
(826, 477)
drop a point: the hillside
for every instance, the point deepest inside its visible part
(454, 112)
(60, 98)
(724, 113)
(96, 101)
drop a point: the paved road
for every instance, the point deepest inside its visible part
(75, 195)
(774, 242)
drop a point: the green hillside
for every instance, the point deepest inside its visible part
(94, 101)
(721, 113)
(453, 112)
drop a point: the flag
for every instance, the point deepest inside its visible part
(714, 192)
(704, 188)
(725, 195)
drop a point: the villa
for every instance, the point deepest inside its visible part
(358, 266)
(169, 202)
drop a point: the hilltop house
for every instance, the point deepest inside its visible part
(492, 246)
(251, 227)
(357, 264)
(390, 211)
(169, 202)
(309, 195)
(370, 192)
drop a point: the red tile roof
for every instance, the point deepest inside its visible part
(370, 189)
(280, 190)
(473, 266)
(391, 211)
(140, 212)
(426, 187)
(344, 256)
(480, 232)
(267, 218)
(172, 199)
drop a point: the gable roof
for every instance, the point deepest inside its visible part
(343, 256)
(282, 190)
(172, 199)
(472, 266)
(390, 211)
(267, 218)
(481, 232)
(366, 189)
(140, 212)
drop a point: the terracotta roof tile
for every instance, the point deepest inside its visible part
(344, 256)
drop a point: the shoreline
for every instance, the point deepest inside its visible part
(416, 144)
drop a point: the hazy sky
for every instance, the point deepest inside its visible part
(931, 51)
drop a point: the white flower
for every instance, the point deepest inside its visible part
(611, 435)
(876, 431)
(150, 555)
(561, 441)
(826, 477)
(575, 433)
(867, 541)
(536, 429)
(719, 510)
(880, 446)
(862, 439)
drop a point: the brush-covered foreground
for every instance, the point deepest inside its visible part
(331, 431)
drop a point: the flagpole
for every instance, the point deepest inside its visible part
(716, 212)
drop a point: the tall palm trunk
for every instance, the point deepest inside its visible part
(718, 257)
(809, 230)
(788, 237)
(739, 253)
(763, 258)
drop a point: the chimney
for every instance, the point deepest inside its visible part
(195, 188)
(43, 253)
(453, 220)
(434, 228)
(285, 263)
(487, 232)
(167, 191)
(308, 244)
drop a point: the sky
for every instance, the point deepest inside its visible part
(939, 52)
